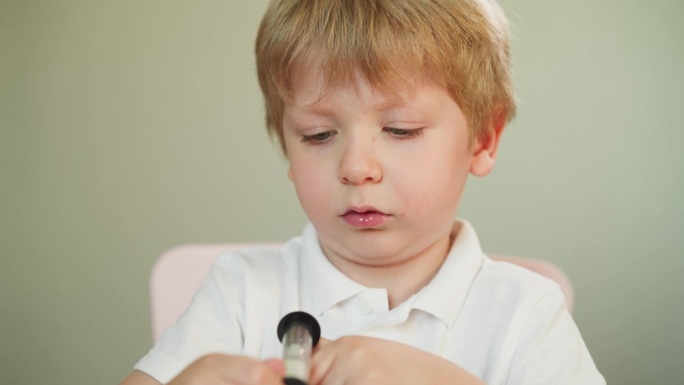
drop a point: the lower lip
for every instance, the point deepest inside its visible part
(365, 220)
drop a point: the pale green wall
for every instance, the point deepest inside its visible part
(128, 127)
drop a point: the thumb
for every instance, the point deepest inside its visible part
(322, 342)
(276, 365)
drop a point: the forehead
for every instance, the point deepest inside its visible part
(314, 98)
(313, 86)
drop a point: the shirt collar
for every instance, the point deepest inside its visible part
(328, 285)
(445, 295)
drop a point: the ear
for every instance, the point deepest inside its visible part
(487, 145)
(289, 172)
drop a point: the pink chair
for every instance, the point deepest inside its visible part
(177, 274)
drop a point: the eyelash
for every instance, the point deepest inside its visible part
(403, 133)
(400, 133)
(318, 138)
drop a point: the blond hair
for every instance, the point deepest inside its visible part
(463, 44)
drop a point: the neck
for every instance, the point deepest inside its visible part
(402, 278)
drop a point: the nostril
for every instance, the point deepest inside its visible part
(359, 170)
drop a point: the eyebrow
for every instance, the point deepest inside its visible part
(317, 108)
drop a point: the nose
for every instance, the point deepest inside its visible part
(360, 162)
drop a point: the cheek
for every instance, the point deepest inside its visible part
(429, 192)
(434, 184)
(312, 187)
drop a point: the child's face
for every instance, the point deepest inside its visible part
(380, 175)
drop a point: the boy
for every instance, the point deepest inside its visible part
(383, 108)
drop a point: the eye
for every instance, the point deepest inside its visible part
(404, 133)
(318, 138)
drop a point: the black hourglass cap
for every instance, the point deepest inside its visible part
(300, 318)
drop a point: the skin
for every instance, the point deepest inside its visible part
(220, 369)
(406, 154)
(365, 360)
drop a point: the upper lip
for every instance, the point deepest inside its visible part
(362, 210)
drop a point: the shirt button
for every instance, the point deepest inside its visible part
(364, 306)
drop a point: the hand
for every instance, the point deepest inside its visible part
(221, 369)
(363, 360)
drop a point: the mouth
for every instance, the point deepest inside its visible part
(365, 217)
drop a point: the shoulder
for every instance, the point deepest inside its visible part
(541, 340)
(515, 289)
(489, 288)
(258, 265)
(263, 272)
(250, 259)
(499, 272)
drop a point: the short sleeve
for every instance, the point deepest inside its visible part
(551, 350)
(211, 324)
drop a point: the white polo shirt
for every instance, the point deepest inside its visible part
(504, 324)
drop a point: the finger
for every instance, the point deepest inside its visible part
(227, 369)
(322, 361)
(323, 342)
(246, 371)
(276, 365)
